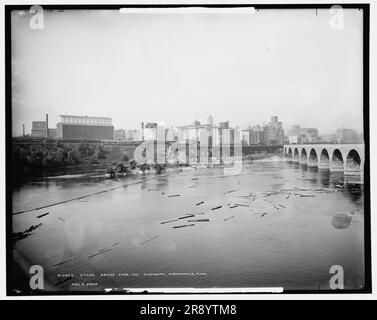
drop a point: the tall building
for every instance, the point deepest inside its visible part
(84, 127)
(150, 131)
(195, 130)
(257, 135)
(245, 136)
(273, 132)
(347, 136)
(39, 128)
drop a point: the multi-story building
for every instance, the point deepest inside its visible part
(84, 127)
(294, 131)
(120, 135)
(347, 136)
(133, 135)
(196, 130)
(273, 132)
(245, 136)
(149, 131)
(257, 135)
(309, 135)
(39, 129)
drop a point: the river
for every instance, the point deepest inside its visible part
(276, 224)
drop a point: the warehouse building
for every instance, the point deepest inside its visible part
(84, 127)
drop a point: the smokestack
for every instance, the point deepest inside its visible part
(23, 130)
(142, 131)
(46, 125)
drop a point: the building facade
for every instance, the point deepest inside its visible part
(120, 135)
(84, 127)
(39, 128)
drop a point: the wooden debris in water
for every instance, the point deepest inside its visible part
(187, 216)
(42, 215)
(149, 240)
(184, 225)
(228, 218)
(235, 206)
(201, 202)
(198, 220)
(218, 207)
(168, 221)
(230, 191)
(174, 195)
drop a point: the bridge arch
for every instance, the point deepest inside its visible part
(324, 159)
(289, 153)
(353, 162)
(296, 156)
(337, 162)
(313, 158)
(348, 158)
(303, 156)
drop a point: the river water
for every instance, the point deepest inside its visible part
(280, 224)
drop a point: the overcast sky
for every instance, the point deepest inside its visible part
(178, 67)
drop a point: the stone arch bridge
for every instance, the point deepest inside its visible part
(348, 158)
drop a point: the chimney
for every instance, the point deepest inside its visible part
(46, 125)
(142, 131)
(23, 130)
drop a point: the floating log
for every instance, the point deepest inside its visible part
(198, 220)
(42, 215)
(184, 225)
(235, 206)
(187, 216)
(201, 202)
(228, 218)
(231, 191)
(215, 208)
(174, 195)
(168, 221)
(149, 240)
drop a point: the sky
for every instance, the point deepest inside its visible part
(175, 68)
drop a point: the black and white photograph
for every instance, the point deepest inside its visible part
(187, 149)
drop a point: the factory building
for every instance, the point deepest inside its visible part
(84, 127)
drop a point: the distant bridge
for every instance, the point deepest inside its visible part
(348, 158)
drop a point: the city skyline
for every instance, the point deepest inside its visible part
(179, 67)
(272, 132)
